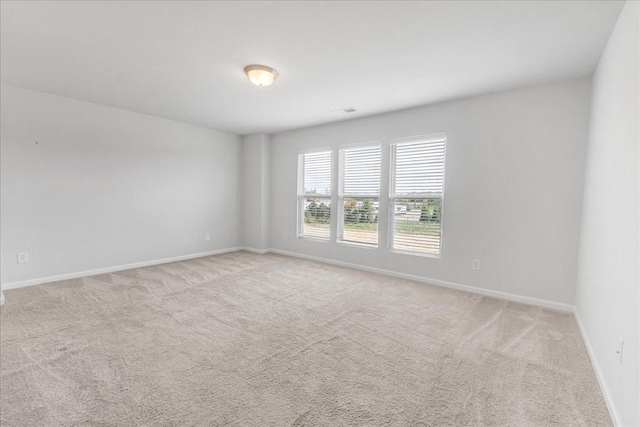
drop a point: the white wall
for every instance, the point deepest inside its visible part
(105, 187)
(514, 175)
(607, 299)
(257, 179)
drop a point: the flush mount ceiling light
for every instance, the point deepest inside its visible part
(260, 75)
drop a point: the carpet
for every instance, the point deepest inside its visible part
(241, 339)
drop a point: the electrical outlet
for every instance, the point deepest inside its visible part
(207, 236)
(475, 264)
(620, 349)
(284, 236)
(23, 257)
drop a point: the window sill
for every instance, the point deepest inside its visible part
(314, 239)
(356, 244)
(418, 254)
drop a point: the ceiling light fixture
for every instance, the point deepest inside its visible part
(260, 75)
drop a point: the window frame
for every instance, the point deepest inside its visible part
(393, 196)
(342, 196)
(301, 195)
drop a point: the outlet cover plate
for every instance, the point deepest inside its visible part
(23, 257)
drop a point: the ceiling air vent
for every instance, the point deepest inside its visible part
(346, 110)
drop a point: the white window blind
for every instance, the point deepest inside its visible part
(314, 195)
(416, 194)
(359, 193)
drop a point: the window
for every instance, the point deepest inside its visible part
(416, 194)
(314, 195)
(359, 193)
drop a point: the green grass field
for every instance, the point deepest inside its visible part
(401, 226)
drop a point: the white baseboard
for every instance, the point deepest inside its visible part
(596, 367)
(49, 279)
(256, 251)
(486, 292)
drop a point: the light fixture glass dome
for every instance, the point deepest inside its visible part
(260, 75)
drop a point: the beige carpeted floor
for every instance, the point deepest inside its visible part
(265, 340)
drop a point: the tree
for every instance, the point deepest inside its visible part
(311, 214)
(425, 215)
(431, 211)
(366, 211)
(324, 213)
(351, 214)
(317, 213)
(350, 204)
